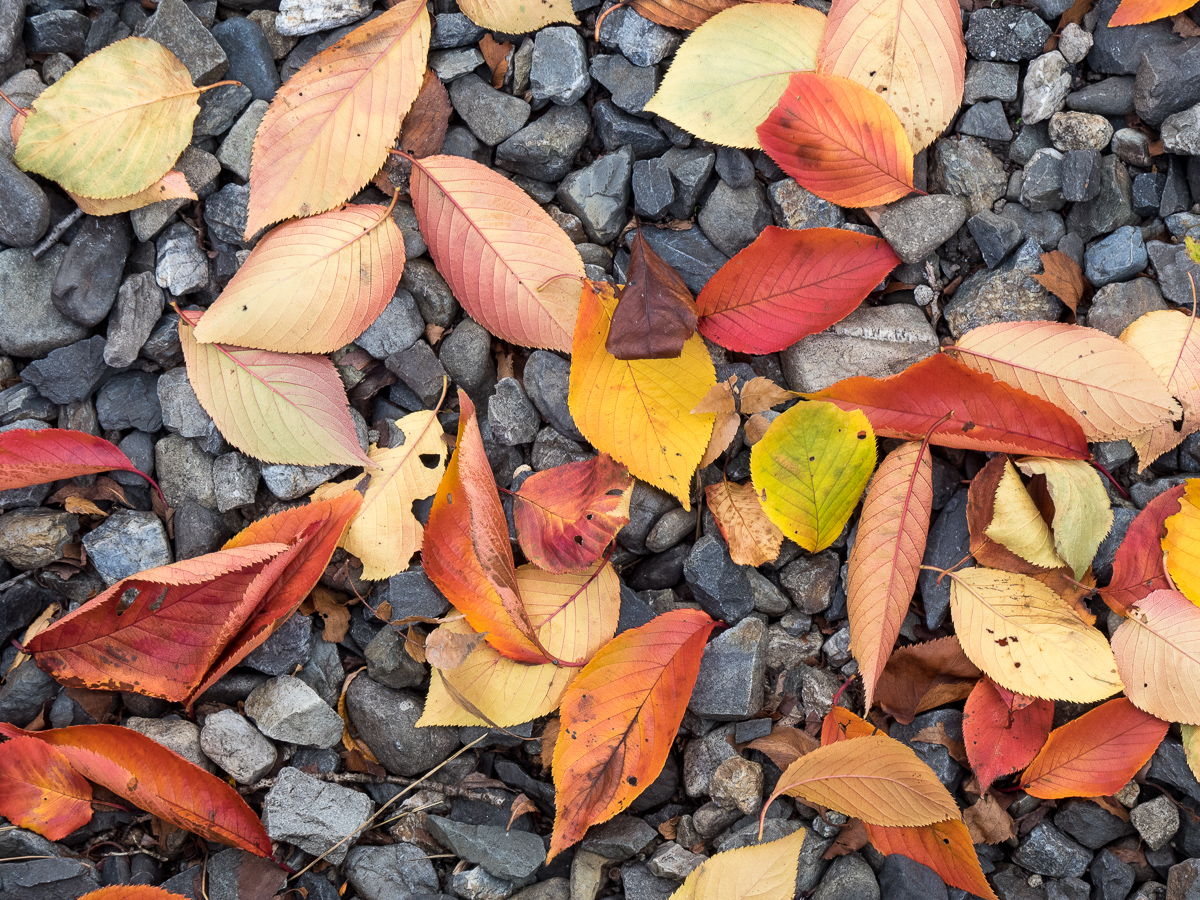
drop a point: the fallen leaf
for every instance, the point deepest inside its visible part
(276, 407)
(908, 52)
(1017, 524)
(758, 872)
(511, 266)
(132, 892)
(333, 613)
(1026, 638)
(989, 823)
(573, 613)
(312, 285)
(50, 454)
(1191, 747)
(756, 429)
(840, 724)
(840, 141)
(619, 719)
(761, 394)
(1181, 544)
(985, 414)
(789, 284)
(1183, 26)
(850, 839)
(1062, 277)
(1082, 514)
(655, 312)
(329, 127)
(40, 791)
(521, 805)
(448, 648)
(753, 539)
(810, 469)
(566, 516)
(172, 186)
(886, 558)
(639, 411)
(686, 14)
(157, 780)
(874, 778)
(517, 18)
(730, 72)
(114, 124)
(784, 745)
(1158, 655)
(1096, 754)
(925, 676)
(1171, 345)
(719, 402)
(1003, 731)
(1138, 12)
(495, 55)
(946, 847)
(1104, 384)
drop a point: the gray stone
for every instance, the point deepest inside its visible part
(551, 449)
(69, 373)
(987, 80)
(560, 71)
(733, 217)
(511, 855)
(411, 593)
(717, 582)
(200, 169)
(917, 226)
(478, 884)
(24, 209)
(451, 65)
(1112, 876)
(688, 252)
(599, 195)
(314, 815)
(617, 129)
(235, 481)
(1041, 187)
(454, 30)
(48, 879)
(1079, 131)
(1118, 51)
(730, 684)
(289, 482)
(1181, 132)
(386, 720)
(935, 755)
(631, 86)
(184, 471)
(391, 873)
(420, 370)
(674, 862)
(1079, 169)
(198, 530)
(1173, 267)
(434, 298)
(390, 664)
(31, 538)
(1168, 81)
(849, 876)
(1074, 43)
(546, 148)
(251, 60)
(986, 120)
(1156, 821)
(968, 169)
(176, 27)
(301, 17)
(220, 107)
(285, 649)
(57, 31)
(1183, 881)
(140, 302)
(492, 116)
(672, 528)
(177, 735)
(794, 207)
(811, 580)
(1008, 293)
(127, 542)
(643, 42)
(1046, 228)
(874, 341)
(547, 382)
(182, 265)
(30, 325)
(181, 411)
(466, 355)
(1029, 141)
(1009, 34)
(460, 141)
(902, 878)
(1047, 851)
(1110, 97)
(512, 417)
(653, 190)
(619, 838)
(237, 148)
(949, 542)
(398, 327)
(995, 236)
(1103, 562)
(1117, 257)
(22, 402)
(226, 211)
(1047, 84)
(690, 171)
(287, 709)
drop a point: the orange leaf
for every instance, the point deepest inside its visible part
(1003, 731)
(1158, 656)
(1096, 754)
(568, 515)
(619, 719)
(840, 724)
(1138, 564)
(495, 55)
(466, 551)
(1062, 277)
(157, 780)
(330, 125)
(753, 539)
(886, 558)
(789, 284)
(511, 266)
(132, 892)
(925, 676)
(655, 313)
(687, 14)
(945, 847)
(40, 791)
(840, 141)
(986, 414)
(1139, 12)
(50, 454)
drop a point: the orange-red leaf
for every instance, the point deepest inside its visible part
(790, 283)
(1003, 731)
(1138, 564)
(466, 551)
(839, 140)
(987, 414)
(157, 780)
(619, 718)
(886, 558)
(655, 313)
(132, 892)
(944, 847)
(567, 515)
(511, 266)
(1096, 754)
(40, 791)
(1138, 12)
(48, 454)
(687, 14)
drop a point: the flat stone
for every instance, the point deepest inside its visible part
(718, 584)
(560, 70)
(969, 169)
(48, 879)
(642, 42)
(391, 873)
(251, 60)
(1118, 51)
(314, 815)
(1117, 257)
(545, 149)
(949, 542)
(732, 218)
(902, 878)
(235, 481)
(127, 542)
(140, 302)
(508, 854)
(184, 471)
(619, 838)
(1008, 293)
(986, 120)
(1047, 851)
(1009, 34)
(1079, 182)
(240, 749)
(1173, 268)
(287, 647)
(492, 116)
(300, 17)
(630, 86)
(397, 328)
(731, 680)
(57, 31)
(386, 720)
(987, 80)
(995, 236)
(617, 129)
(30, 325)
(235, 151)
(454, 30)
(176, 27)
(69, 373)
(1042, 185)
(420, 370)
(917, 226)
(24, 208)
(1181, 132)
(287, 709)
(547, 382)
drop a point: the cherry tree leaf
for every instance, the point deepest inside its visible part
(1138, 564)
(758, 872)
(507, 17)
(1082, 515)
(753, 538)
(49, 454)
(1003, 731)
(1138, 12)
(655, 313)
(1158, 655)
(1171, 345)
(40, 791)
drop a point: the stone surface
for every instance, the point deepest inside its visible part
(386, 720)
(545, 149)
(1112, 207)
(69, 373)
(127, 542)
(917, 226)
(314, 815)
(1009, 34)
(384, 873)
(1047, 851)
(31, 538)
(1007, 293)
(559, 71)
(599, 194)
(794, 207)
(718, 583)
(24, 209)
(30, 325)
(229, 740)
(176, 27)
(1080, 131)
(178, 735)
(1156, 821)
(140, 302)
(732, 218)
(509, 854)
(301, 17)
(901, 878)
(731, 680)
(492, 116)
(287, 709)
(1117, 257)
(398, 327)
(689, 252)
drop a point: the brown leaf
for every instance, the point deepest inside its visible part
(1112, 806)
(925, 676)
(1062, 277)
(753, 538)
(719, 401)
(333, 613)
(496, 56)
(520, 805)
(549, 739)
(936, 734)
(670, 828)
(760, 394)
(424, 128)
(851, 839)
(756, 427)
(988, 822)
(448, 649)
(784, 745)
(1183, 26)
(656, 313)
(414, 644)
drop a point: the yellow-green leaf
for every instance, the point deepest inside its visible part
(1082, 514)
(810, 468)
(757, 872)
(1018, 525)
(732, 70)
(639, 411)
(114, 124)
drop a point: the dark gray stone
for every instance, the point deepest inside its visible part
(1118, 51)
(48, 879)
(1117, 257)
(718, 583)
(287, 647)
(20, 605)
(86, 283)
(617, 129)
(560, 70)
(729, 686)
(1045, 227)
(995, 236)
(511, 855)
(1173, 267)
(1168, 81)
(599, 195)
(1079, 181)
(936, 756)
(690, 171)
(398, 327)
(949, 541)
(225, 212)
(643, 42)
(25, 691)
(547, 382)
(411, 593)
(688, 252)
(1008, 293)
(811, 580)
(392, 873)
(127, 542)
(1147, 192)
(1089, 824)
(1030, 139)
(250, 58)
(467, 358)
(220, 107)
(513, 419)
(492, 116)
(1010, 34)
(1169, 766)
(545, 149)
(1116, 306)
(420, 370)
(176, 27)
(732, 218)
(140, 302)
(902, 878)
(1042, 186)
(454, 30)
(734, 167)
(57, 31)
(988, 80)
(1047, 851)
(1112, 877)
(986, 120)
(24, 208)
(130, 400)
(434, 297)
(653, 190)
(386, 720)
(69, 373)
(631, 86)
(1110, 97)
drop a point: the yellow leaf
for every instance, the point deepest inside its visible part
(573, 613)
(385, 533)
(1157, 649)
(876, 779)
(1182, 543)
(172, 186)
(1082, 514)
(639, 411)
(810, 468)
(114, 124)
(753, 539)
(517, 16)
(1168, 340)
(1026, 638)
(758, 872)
(730, 73)
(1191, 747)
(312, 285)
(1018, 525)
(507, 692)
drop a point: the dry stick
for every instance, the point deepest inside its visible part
(57, 231)
(488, 797)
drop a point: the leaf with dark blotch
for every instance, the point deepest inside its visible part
(656, 313)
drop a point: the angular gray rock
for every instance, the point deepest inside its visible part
(391, 873)
(730, 684)
(719, 584)
(386, 720)
(1008, 293)
(140, 302)
(546, 148)
(315, 815)
(599, 195)
(508, 854)
(917, 226)
(127, 542)
(30, 325)
(229, 740)
(287, 709)
(492, 116)
(560, 68)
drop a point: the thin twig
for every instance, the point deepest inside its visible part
(57, 231)
(15, 580)
(488, 797)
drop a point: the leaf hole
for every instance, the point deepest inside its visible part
(579, 539)
(429, 460)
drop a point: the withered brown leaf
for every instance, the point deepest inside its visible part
(656, 313)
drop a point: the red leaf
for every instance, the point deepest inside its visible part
(988, 415)
(133, 892)
(157, 780)
(1003, 731)
(655, 313)
(40, 791)
(1138, 564)
(944, 847)
(38, 457)
(789, 284)
(567, 515)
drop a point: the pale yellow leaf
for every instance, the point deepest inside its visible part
(1171, 345)
(758, 872)
(1082, 514)
(1017, 524)
(1191, 747)
(1158, 655)
(172, 186)
(573, 613)
(517, 16)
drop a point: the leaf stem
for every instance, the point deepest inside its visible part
(1107, 474)
(20, 111)
(604, 15)
(209, 87)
